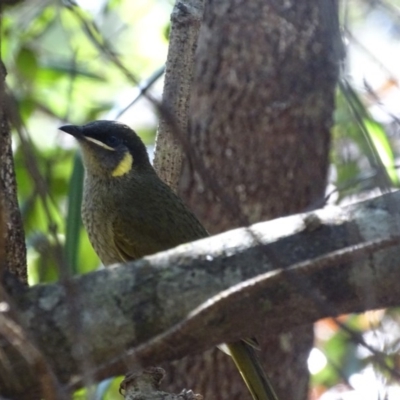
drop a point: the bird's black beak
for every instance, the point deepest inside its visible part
(74, 130)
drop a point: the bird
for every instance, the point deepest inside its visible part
(129, 213)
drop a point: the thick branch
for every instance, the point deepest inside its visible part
(125, 306)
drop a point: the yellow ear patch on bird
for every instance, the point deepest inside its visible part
(124, 166)
(98, 143)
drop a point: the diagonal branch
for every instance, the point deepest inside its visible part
(125, 306)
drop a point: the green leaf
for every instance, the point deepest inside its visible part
(27, 106)
(73, 222)
(370, 135)
(383, 148)
(27, 63)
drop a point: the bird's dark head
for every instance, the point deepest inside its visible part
(109, 149)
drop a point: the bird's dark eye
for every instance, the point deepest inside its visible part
(112, 141)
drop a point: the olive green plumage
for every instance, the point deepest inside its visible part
(132, 215)
(129, 213)
(127, 235)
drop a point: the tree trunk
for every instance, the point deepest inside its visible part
(12, 231)
(261, 110)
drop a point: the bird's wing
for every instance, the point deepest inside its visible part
(165, 222)
(134, 240)
(124, 248)
(138, 240)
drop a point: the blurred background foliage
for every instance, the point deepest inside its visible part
(73, 62)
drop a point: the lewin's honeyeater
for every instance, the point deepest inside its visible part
(129, 213)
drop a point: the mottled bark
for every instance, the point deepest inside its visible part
(206, 291)
(261, 110)
(185, 25)
(15, 250)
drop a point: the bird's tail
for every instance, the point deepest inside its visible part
(248, 364)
